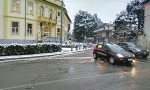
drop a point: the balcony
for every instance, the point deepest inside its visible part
(46, 19)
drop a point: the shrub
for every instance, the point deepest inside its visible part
(56, 48)
(31, 49)
(1, 50)
(14, 50)
(28, 49)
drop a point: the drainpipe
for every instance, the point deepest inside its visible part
(25, 22)
(61, 22)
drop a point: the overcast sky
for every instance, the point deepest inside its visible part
(105, 9)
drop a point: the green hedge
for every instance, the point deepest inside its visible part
(1, 50)
(28, 49)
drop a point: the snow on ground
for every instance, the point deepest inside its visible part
(64, 51)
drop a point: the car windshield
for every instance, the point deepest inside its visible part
(132, 45)
(116, 48)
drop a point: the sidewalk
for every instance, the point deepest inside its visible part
(64, 51)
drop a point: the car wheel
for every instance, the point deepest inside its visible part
(95, 56)
(111, 60)
(131, 51)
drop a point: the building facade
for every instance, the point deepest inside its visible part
(30, 21)
(144, 40)
(104, 34)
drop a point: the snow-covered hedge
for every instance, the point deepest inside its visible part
(8, 50)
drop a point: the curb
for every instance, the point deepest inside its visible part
(10, 58)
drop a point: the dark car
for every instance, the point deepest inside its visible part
(113, 53)
(133, 48)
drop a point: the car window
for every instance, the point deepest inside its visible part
(115, 47)
(131, 45)
(99, 46)
(121, 44)
(105, 47)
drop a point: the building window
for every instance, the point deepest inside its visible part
(15, 28)
(30, 8)
(15, 5)
(58, 31)
(29, 29)
(59, 14)
(42, 11)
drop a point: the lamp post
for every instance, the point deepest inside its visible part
(25, 22)
(55, 28)
(62, 9)
(86, 27)
(38, 36)
(42, 30)
(50, 26)
(108, 34)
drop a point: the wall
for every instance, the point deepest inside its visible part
(144, 40)
(20, 17)
(1, 18)
(147, 20)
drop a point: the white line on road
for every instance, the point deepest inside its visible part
(73, 58)
(90, 76)
(55, 81)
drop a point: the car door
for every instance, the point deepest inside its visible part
(99, 50)
(105, 51)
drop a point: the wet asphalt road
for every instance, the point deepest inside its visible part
(74, 72)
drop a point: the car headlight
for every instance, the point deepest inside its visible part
(133, 61)
(147, 50)
(120, 56)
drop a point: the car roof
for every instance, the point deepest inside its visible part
(110, 44)
(124, 42)
(106, 43)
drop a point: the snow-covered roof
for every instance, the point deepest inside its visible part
(105, 27)
(103, 30)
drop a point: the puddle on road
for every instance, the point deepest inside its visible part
(106, 68)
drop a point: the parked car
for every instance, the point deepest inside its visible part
(135, 49)
(113, 53)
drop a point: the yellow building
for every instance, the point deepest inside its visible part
(30, 21)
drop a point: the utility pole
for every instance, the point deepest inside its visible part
(62, 10)
(56, 28)
(85, 34)
(25, 21)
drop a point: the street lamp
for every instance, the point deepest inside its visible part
(42, 30)
(62, 9)
(55, 28)
(85, 36)
(38, 36)
(25, 21)
(51, 14)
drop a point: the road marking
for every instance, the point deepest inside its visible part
(42, 83)
(55, 81)
(83, 62)
(87, 61)
(78, 58)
